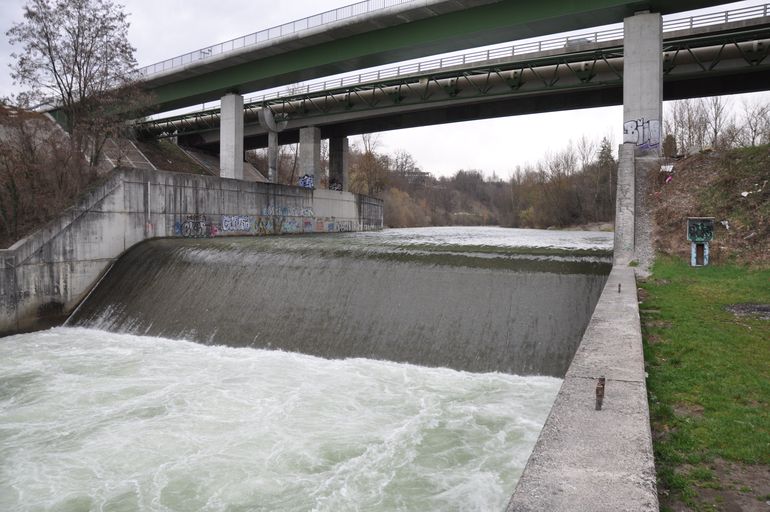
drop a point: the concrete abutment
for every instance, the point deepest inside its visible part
(45, 275)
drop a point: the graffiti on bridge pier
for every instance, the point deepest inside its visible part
(307, 181)
(645, 133)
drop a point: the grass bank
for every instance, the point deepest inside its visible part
(709, 385)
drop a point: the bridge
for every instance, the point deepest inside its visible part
(718, 53)
(576, 465)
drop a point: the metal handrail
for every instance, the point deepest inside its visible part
(367, 6)
(270, 34)
(438, 64)
(558, 43)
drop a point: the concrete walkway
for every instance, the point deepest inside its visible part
(589, 460)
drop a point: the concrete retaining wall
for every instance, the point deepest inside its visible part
(44, 276)
(589, 460)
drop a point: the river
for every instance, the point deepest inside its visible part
(118, 421)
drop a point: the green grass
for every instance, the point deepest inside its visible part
(709, 371)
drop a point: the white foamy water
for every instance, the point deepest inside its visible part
(91, 420)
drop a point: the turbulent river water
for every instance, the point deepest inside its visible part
(97, 420)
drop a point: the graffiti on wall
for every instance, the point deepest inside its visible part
(270, 223)
(645, 133)
(341, 226)
(264, 226)
(291, 226)
(307, 181)
(195, 226)
(236, 223)
(288, 211)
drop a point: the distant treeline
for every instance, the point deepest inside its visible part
(573, 186)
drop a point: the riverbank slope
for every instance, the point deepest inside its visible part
(706, 333)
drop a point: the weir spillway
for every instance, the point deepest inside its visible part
(138, 418)
(459, 305)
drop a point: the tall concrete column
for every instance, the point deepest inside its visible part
(272, 156)
(310, 153)
(643, 82)
(625, 206)
(231, 137)
(339, 161)
(642, 120)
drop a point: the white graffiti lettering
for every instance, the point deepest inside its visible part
(236, 223)
(645, 133)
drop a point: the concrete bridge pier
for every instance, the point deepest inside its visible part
(339, 162)
(231, 137)
(310, 153)
(642, 119)
(272, 156)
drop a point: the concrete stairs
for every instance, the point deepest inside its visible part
(124, 153)
(211, 164)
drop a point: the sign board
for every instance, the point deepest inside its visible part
(700, 229)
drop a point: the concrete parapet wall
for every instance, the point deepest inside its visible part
(597, 460)
(44, 276)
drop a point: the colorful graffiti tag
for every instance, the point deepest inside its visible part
(307, 181)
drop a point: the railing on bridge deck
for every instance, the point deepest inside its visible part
(556, 43)
(435, 65)
(269, 34)
(357, 9)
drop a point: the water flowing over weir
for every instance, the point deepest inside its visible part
(462, 302)
(97, 420)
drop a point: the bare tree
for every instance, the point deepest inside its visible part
(586, 150)
(38, 175)
(717, 111)
(75, 55)
(369, 172)
(756, 123)
(687, 122)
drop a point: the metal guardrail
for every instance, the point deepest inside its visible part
(270, 34)
(367, 6)
(438, 64)
(558, 43)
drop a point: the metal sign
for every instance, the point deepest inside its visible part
(700, 229)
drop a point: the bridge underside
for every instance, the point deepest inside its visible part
(591, 78)
(606, 95)
(436, 27)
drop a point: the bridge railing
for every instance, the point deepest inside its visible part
(293, 27)
(367, 6)
(437, 64)
(704, 20)
(558, 43)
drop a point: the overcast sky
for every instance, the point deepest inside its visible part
(161, 29)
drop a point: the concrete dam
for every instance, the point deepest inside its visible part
(358, 295)
(389, 370)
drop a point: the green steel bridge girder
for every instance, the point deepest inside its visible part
(714, 63)
(502, 21)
